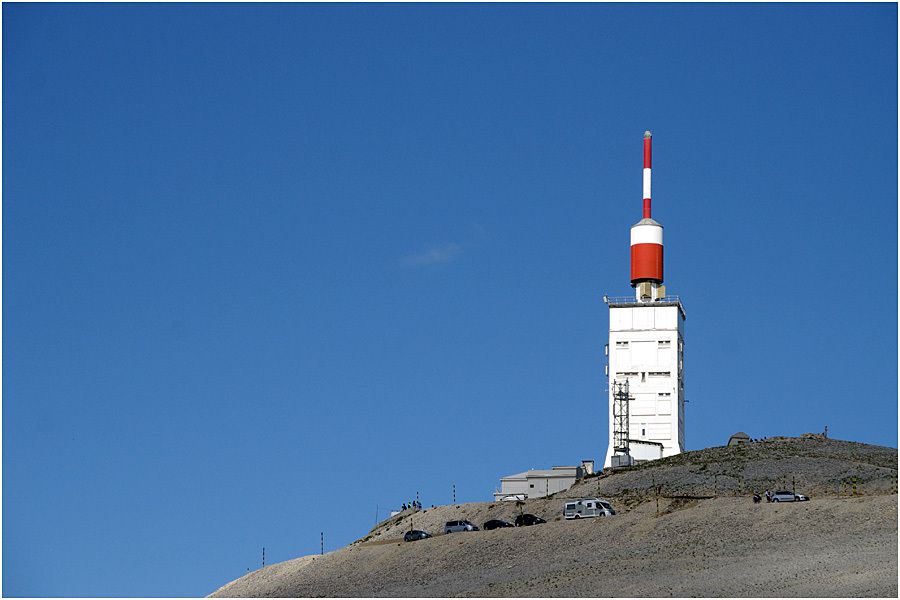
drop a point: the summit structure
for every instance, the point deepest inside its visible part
(645, 351)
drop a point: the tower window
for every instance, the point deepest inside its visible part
(665, 344)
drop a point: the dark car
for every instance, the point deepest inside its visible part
(528, 519)
(415, 534)
(496, 524)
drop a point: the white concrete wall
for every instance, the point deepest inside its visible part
(536, 486)
(645, 451)
(508, 488)
(544, 486)
(646, 347)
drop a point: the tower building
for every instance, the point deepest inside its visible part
(645, 353)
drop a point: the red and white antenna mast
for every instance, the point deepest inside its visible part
(647, 243)
(648, 164)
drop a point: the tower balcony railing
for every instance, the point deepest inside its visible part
(633, 300)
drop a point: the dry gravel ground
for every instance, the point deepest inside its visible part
(721, 546)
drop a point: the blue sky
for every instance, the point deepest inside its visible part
(259, 260)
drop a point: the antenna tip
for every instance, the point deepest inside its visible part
(648, 134)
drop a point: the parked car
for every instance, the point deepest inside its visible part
(497, 524)
(801, 497)
(783, 496)
(415, 534)
(528, 519)
(453, 526)
(587, 507)
(510, 497)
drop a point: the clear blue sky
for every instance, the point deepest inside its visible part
(267, 268)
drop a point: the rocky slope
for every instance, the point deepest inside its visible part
(686, 527)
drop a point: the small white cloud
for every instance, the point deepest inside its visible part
(434, 255)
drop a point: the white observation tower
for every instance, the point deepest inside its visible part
(645, 352)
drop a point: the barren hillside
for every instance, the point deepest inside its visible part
(706, 538)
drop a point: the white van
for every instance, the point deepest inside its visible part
(454, 526)
(588, 507)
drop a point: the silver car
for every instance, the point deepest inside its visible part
(454, 526)
(783, 496)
